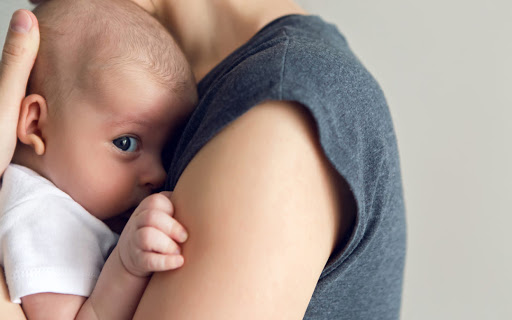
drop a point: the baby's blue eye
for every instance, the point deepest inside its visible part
(127, 144)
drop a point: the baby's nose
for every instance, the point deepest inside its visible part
(154, 178)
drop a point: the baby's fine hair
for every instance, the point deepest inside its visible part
(81, 38)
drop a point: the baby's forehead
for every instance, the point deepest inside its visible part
(134, 95)
(129, 79)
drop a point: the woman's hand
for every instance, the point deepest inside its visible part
(18, 57)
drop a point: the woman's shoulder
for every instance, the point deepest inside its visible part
(310, 27)
(295, 58)
(305, 60)
(298, 37)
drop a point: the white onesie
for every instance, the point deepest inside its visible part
(48, 242)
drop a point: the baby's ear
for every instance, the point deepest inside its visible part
(33, 116)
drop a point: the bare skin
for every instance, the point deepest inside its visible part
(289, 203)
(263, 283)
(256, 255)
(18, 56)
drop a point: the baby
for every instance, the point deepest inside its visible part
(108, 89)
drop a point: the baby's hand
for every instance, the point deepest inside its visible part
(146, 244)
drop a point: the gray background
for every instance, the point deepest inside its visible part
(446, 69)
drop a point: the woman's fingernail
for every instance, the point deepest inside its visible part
(183, 236)
(21, 22)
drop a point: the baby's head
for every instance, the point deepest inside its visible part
(109, 88)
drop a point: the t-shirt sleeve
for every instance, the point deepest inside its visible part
(53, 245)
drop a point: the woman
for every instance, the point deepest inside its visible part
(286, 176)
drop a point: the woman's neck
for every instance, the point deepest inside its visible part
(209, 30)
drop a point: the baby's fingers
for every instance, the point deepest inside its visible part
(155, 262)
(157, 201)
(153, 240)
(163, 222)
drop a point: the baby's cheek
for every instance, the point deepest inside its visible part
(115, 198)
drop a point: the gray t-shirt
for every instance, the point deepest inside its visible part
(304, 59)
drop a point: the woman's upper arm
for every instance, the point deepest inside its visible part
(261, 205)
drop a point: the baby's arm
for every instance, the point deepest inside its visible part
(145, 246)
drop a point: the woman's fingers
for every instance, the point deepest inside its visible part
(18, 56)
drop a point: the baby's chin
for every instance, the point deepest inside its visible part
(110, 213)
(126, 214)
(117, 223)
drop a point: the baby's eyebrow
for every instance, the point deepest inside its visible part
(126, 122)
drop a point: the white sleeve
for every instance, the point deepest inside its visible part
(53, 245)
